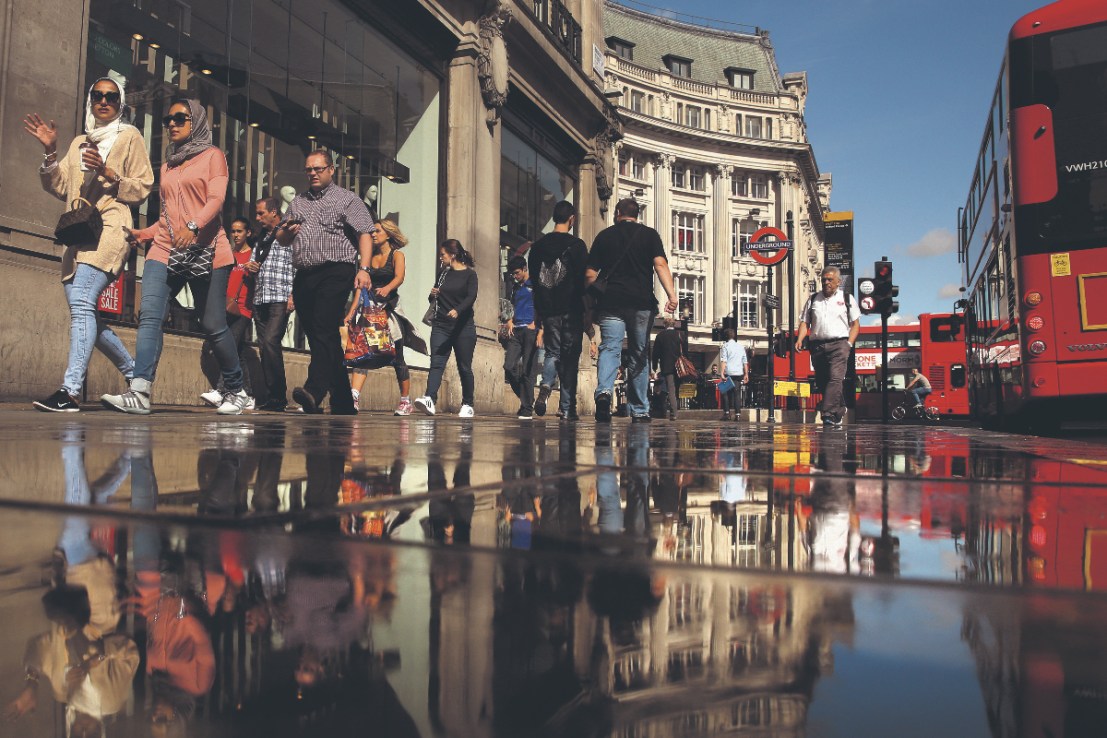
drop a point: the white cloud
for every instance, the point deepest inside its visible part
(895, 319)
(935, 243)
(950, 290)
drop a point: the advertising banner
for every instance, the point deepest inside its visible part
(839, 246)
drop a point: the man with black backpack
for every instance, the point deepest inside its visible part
(557, 274)
(829, 326)
(619, 279)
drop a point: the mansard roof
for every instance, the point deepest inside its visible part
(712, 51)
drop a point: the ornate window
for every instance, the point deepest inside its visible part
(678, 66)
(740, 78)
(688, 232)
(747, 297)
(690, 297)
(695, 179)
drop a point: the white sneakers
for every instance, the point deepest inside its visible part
(218, 399)
(233, 403)
(135, 401)
(357, 399)
(425, 405)
(212, 397)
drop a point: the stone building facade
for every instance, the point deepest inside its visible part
(464, 119)
(716, 148)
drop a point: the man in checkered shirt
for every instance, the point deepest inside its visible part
(272, 263)
(321, 225)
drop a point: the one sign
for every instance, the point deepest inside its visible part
(687, 391)
(598, 61)
(791, 389)
(868, 304)
(838, 229)
(773, 237)
(769, 246)
(1059, 265)
(866, 286)
(111, 299)
(771, 301)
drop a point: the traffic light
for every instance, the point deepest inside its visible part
(884, 292)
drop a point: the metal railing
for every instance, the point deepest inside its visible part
(566, 32)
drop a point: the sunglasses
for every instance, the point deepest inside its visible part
(177, 118)
(315, 170)
(111, 97)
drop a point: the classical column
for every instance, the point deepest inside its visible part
(472, 217)
(662, 209)
(720, 254)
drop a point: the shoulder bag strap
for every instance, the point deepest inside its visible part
(626, 250)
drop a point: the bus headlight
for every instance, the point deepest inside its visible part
(1037, 347)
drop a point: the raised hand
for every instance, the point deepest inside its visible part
(46, 133)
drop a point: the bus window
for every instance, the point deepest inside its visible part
(957, 375)
(946, 330)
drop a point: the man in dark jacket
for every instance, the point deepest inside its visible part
(666, 348)
(557, 274)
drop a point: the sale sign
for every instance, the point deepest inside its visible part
(111, 299)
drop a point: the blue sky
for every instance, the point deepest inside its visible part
(898, 92)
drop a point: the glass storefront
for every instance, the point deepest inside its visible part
(531, 183)
(281, 78)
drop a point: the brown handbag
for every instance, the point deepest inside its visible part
(685, 369)
(81, 225)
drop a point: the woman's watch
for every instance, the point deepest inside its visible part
(365, 269)
(191, 225)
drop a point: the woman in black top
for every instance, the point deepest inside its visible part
(453, 328)
(387, 269)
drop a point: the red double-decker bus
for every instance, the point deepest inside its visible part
(935, 346)
(1033, 232)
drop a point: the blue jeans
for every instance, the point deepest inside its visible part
(635, 326)
(920, 393)
(562, 337)
(156, 292)
(87, 330)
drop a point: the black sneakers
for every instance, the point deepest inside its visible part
(59, 402)
(540, 403)
(603, 407)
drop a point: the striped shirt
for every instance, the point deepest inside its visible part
(333, 220)
(274, 280)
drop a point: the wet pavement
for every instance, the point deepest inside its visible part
(290, 575)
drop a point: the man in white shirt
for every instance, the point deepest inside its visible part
(732, 357)
(828, 327)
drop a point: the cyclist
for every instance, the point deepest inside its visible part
(919, 386)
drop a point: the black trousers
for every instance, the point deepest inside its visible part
(320, 294)
(520, 368)
(271, 321)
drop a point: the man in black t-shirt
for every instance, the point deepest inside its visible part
(557, 263)
(623, 260)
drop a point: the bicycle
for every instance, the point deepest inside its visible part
(920, 412)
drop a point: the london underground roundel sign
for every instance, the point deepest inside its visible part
(769, 246)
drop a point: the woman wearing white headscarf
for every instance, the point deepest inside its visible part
(114, 174)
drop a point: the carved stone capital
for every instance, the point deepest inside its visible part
(492, 62)
(664, 161)
(722, 171)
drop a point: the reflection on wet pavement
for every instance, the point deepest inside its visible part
(306, 576)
